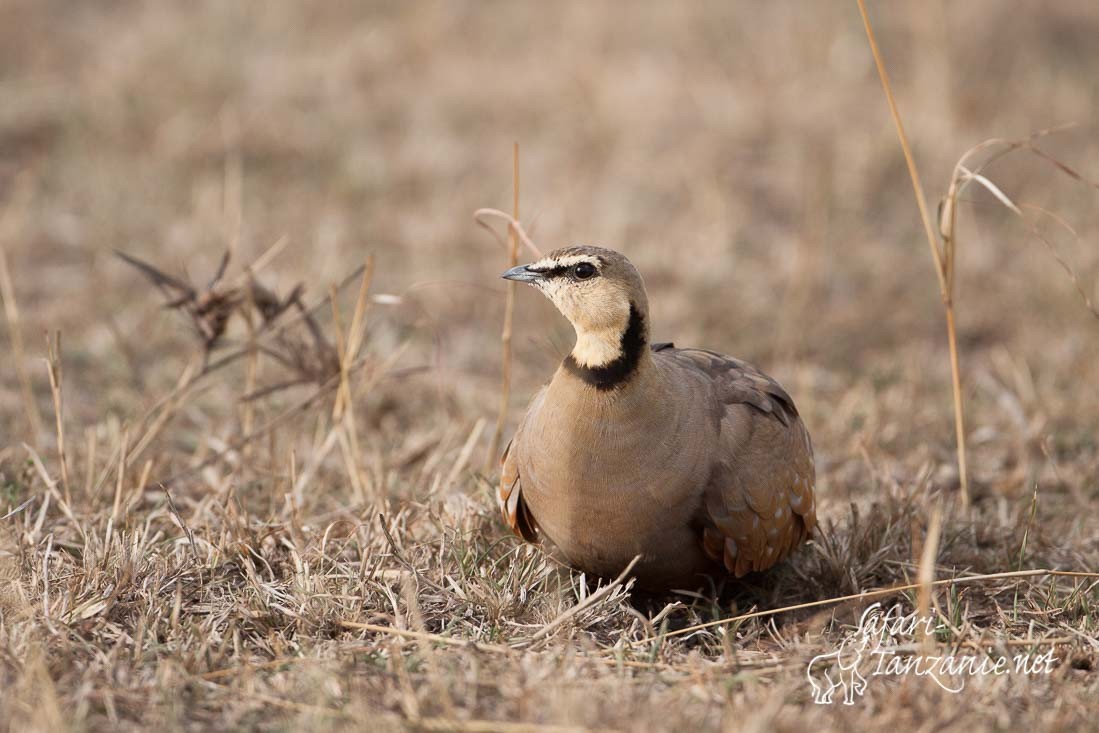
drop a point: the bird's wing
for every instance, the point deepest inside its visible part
(738, 382)
(510, 495)
(758, 502)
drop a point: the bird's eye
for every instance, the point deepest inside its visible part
(584, 271)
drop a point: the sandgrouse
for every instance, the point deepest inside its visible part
(695, 461)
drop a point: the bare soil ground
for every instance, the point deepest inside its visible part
(209, 548)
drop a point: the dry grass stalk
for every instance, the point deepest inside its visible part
(464, 454)
(482, 215)
(944, 260)
(509, 308)
(248, 407)
(926, 573)
(53, 367)
(963, 176)
(251, 375)
(878, 593)
(588, 602)
(355, 339)
(480, 646)
(343, 410)
(51, 485)
(427, 637)
(15, 335)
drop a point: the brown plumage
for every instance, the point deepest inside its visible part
(696, 461)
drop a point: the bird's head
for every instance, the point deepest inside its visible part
(599, 291)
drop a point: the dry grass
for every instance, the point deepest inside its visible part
(263, 508)
(943, 258)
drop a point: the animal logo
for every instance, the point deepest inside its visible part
(839, 668)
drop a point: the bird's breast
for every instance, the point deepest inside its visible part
(609, 480)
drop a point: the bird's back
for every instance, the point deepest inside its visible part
(759, 500)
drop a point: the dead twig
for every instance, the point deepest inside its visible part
(963, 176)
(481, 214)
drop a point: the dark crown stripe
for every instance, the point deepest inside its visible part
(611, 375)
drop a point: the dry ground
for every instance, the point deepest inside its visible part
(740, 153)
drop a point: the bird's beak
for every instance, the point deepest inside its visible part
(522, 274)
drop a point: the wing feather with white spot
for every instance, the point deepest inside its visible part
(758, 502)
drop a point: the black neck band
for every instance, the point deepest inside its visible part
(612, 374)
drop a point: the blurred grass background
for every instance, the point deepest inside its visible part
(741, 154)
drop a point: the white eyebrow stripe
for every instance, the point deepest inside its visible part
(550, 263)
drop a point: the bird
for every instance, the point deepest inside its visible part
(693, 465)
